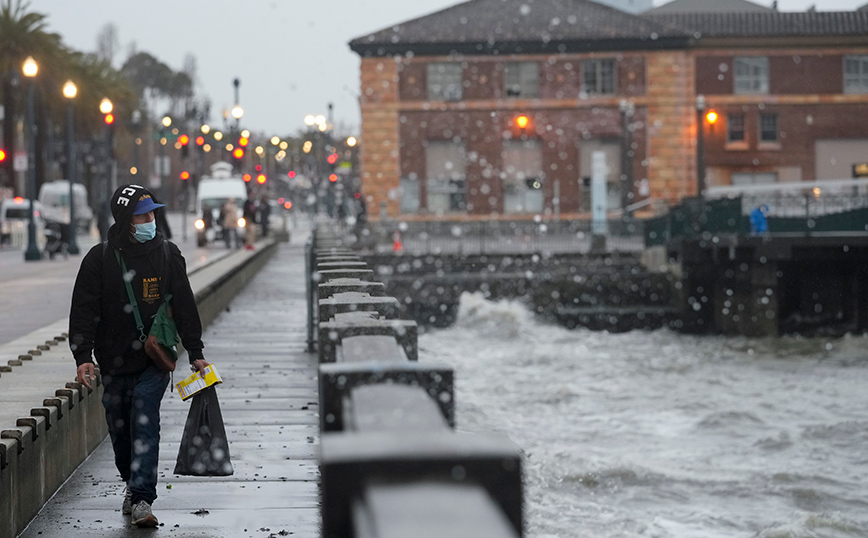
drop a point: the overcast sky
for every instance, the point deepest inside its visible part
(291, 55)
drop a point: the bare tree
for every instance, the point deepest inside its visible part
(107, 42)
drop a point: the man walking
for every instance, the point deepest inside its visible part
(102, 325)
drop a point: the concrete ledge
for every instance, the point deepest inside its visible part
(332, 334)
(336, 380)
(351, 461)
(42, 445)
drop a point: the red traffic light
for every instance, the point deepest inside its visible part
(183, 140)
(2, 155)
(247, 178)
(333, 177)
(200, 140)
(261, 179)
(333, 158)
(291, 174)
(108, 119)
(238, 153)
(243, 141)
(185, 175)
(258, 167)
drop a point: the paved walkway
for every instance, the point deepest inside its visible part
(269, 404)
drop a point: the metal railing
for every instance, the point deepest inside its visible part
(502, 237)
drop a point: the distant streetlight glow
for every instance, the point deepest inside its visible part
(309, 120)
(351, 141)
(275, 140)
(105, 106)
(237, 112)
(70, 90)
(30, 67)
(167, 121)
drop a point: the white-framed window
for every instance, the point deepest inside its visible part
(598, 77)
(753, 178)
(856, 74)
(522, 176)
(735, 128)
(768, 128)
(521, 79)
(751, 74)
(409, 194)
(444, 81)
(445, 166)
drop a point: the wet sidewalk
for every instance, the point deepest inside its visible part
(269, 404)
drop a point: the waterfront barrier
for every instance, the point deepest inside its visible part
(49, 423)
(391, 462)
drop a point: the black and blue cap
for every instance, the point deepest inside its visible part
(145, 204)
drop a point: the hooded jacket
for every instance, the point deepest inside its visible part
(101, 321)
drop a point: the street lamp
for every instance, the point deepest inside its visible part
(700, 145)
(30, 68)
(70, 91)
(106, 107)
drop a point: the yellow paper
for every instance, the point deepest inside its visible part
(196, 382)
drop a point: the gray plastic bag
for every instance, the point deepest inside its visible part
(204, 448)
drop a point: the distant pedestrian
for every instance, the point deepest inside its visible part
(229, 222)
(264, 214)
(758, 223)
(137, 261)
(250, 222)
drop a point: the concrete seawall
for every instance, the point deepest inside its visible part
(49, 423)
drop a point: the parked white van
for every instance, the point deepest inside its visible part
(54, 196)
(15, 220)
(212, 194)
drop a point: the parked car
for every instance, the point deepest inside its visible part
(15, 219)
(54, 196)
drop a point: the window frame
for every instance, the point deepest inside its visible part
(599, 82)
(451, 184)
(516, 184)
(733, 119)
(762, 130)
(526, 75)
(753, 82)
(855, 82)
(448, 89)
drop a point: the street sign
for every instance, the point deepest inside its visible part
(19, 161)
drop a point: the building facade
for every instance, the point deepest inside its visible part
(496, 109)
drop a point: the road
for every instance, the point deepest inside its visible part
(36, 294)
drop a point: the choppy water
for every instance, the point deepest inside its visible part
(658, 434)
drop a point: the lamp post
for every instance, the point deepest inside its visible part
(30, 68)
(106, 107)
(700, 145)
(70, 91)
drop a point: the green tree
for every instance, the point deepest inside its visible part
(22, 33)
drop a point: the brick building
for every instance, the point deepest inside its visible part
(494, 108)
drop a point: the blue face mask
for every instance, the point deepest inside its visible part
(145, 232)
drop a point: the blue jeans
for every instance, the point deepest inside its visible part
(132, 412)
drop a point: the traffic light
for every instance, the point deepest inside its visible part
(290, 174)
(2, 155)
(261, 179)
(333, 177)
(258, 167)
(246, 178)
(332, 159)
(184, 140)
(243, 141)
(109, 118)
(185, 175)
(238, 153)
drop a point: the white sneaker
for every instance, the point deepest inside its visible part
(142, 515)
(127, 507)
